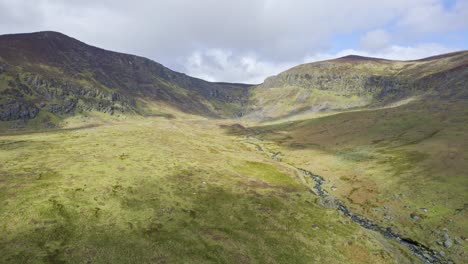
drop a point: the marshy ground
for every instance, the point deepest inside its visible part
(153, 190)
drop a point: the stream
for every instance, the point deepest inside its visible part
(424, 253)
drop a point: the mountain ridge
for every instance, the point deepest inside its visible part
(44, 68)
(355, 81)
(51, 73)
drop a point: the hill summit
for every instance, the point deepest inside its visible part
(51, 73)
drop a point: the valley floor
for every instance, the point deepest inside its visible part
(199, 191)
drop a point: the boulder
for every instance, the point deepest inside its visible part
(448, 243)
(415, 216)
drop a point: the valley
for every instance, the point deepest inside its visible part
(113, 158)
(165, 191)
(387, 165)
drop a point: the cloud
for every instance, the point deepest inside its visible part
(256, 36)
(393, 52)
(223, 65)
(432, 16)
(375, 40)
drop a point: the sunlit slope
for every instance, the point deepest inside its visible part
(403, 166)
(50, 76)
(353, 82)
(159, 191)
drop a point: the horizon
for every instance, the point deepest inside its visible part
(247, 41)
(241, 83)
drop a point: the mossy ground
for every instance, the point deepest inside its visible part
(152, 190)
(388, 164)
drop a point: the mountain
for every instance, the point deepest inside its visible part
(353, 160)
(389, 137)
(48, 73)
(355, 81)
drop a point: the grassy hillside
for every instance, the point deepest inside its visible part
(113, 158)
(354, 81)
(165, 191)
(48, 74)
(404, 166)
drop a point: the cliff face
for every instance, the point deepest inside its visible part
(355, 81)
(51, 72)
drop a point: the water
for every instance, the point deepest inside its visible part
(424, 253)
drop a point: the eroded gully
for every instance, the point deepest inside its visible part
(424, 253)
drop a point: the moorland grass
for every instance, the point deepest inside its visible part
(388, 164)
(164, 191)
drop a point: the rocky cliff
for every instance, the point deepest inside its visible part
(355, 81)
(53, 73)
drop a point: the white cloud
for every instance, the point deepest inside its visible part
(277, 29)
(222, 65)
(256, 37)
(375, 40)
(394, 52)
(432, 17)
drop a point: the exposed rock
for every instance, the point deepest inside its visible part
(415, 216)
(446, 236)
(277, 156)
(329, 202)
(426, 254)
(54, 108)
(448, 243)
(108, 87)
(69, 105)
(17, 110)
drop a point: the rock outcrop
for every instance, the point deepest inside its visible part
(48, 71)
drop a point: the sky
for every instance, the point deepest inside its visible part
(249, 40)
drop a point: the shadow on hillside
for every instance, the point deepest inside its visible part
(14, 132)
(391, 127)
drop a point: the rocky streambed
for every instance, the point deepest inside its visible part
(424, 253)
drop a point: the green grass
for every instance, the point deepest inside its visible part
(267, 173)
(346, 84)
(276, 103)
(406, 158)
(136, 187)
(163, 191)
